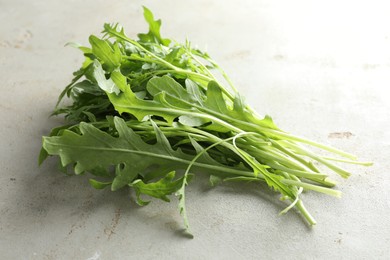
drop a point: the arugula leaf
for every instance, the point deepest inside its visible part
(159, 189)
(153, 35)
(109, 55)
(105, 84)
(98, 184)
(95, 148)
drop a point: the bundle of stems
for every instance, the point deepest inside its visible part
(150, 114)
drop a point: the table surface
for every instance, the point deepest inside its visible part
(317, 69)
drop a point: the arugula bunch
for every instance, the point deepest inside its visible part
(149, 114)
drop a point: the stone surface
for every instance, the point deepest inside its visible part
(320, 69)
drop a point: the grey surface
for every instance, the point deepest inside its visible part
(316, 68)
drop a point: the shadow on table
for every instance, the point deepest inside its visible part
(49, 192)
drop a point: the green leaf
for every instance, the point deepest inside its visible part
(215, 180)
(174, 54)
(42, 156)
(105, 84)
(94, 148)
(125, 174)
(180, 193)
(98, 184)
(86, 86)
(159, 189)
(215, 100)
(191, 108)
(76, 45)
(194, 91)
(153, 36)
(248, 116)
(127, 101)
(109, 55)
(191, 121)
(169, 85)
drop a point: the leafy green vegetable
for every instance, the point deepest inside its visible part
(149, 114)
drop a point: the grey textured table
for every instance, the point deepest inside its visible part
(316, 68)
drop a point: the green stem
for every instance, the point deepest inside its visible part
(347, 161)
(305, 213)
(164, 62)
(343, 173)
(317, 188)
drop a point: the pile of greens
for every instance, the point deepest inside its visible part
(150, 114)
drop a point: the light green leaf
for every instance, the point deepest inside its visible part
(98, 184)
(169, 85)
(76, 45)
(215, 100)
(194, 91)
(105, 84)
(159, 189)
(191, 121)
(128, 102)
(182, 203)
(153, 36)
(109, 55)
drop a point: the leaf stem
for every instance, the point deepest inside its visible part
(305, 213)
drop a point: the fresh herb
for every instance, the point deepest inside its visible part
(150, 114)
